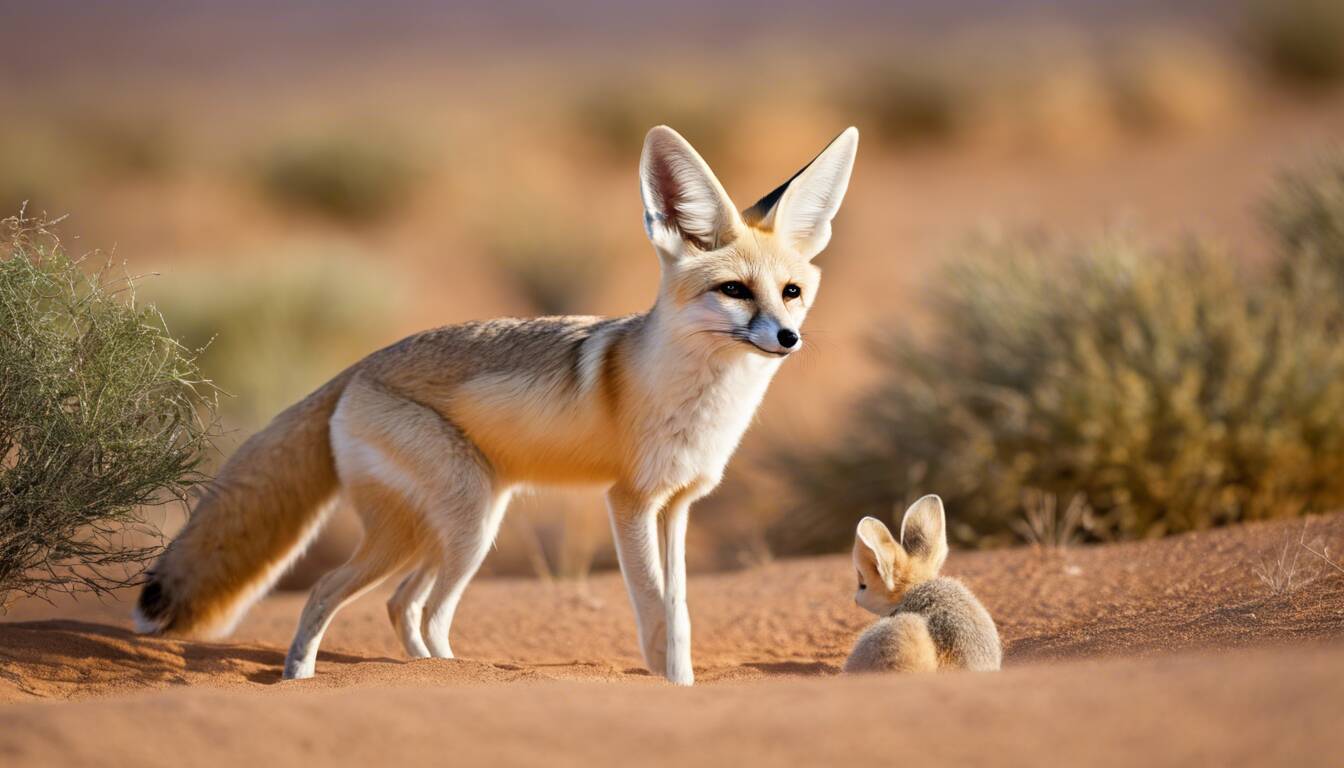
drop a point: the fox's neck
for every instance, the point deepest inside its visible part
(693, 363)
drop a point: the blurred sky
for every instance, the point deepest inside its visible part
(43, 39)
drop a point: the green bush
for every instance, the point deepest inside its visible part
(1301, 41)
(1161, 385)
(100, 416)
(352, 179)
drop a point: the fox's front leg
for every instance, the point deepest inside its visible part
(634, 526)
(678, 616)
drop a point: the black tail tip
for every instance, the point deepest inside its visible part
(153, 607)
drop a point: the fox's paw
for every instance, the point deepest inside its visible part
(678, 675)
(298, 669)
(653, 642)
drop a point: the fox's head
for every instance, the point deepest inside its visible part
(739, 282)
(888, 567)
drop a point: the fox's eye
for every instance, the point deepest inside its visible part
(735, 290)
(863, 586)
(792, 291)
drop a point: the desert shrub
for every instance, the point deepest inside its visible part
(142, 147)
(1307, 214)
(268, 336)
(556, 272)
(907, 104)
(616, 117)
(1153, 382)
(350, 178)
(1167, 82)
(1300, 41)
(100, 416)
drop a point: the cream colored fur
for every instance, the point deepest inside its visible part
(428, 438)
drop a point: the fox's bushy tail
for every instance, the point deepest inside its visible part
(257, 516)
(900, 643)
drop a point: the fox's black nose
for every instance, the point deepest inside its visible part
(786, 338)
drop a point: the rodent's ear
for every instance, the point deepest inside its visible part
(874, 544)
(924, 533)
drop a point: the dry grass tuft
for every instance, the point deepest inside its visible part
(1045, 526)
(1279, 571)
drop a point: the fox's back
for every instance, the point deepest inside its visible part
(539, 396)
(435, 362)
(962, 630)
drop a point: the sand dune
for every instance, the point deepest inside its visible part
(1168, 652)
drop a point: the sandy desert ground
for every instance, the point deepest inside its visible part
(1169, 652)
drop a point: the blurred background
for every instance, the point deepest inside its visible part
(1081, 283)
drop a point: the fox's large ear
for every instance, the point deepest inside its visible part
(683, 201)
(924, 532)
(874, 544)
(800, 210)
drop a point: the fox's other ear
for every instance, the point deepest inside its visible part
(800, 210)
(683, 201)
(924, 532)
(875, 544)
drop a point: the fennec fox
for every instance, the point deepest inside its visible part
(428, 438)
(932, 622)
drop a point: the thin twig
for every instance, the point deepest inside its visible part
(1325, 557)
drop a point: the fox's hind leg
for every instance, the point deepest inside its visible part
(416, 482)
(467, 527)
(379, 554)
(406, 609)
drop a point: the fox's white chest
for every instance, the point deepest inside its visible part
(690, 428)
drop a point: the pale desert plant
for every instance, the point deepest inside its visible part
(1281, 570)
(1323, 554)
(1045, 526)
(1319, 550)
(102, 414)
